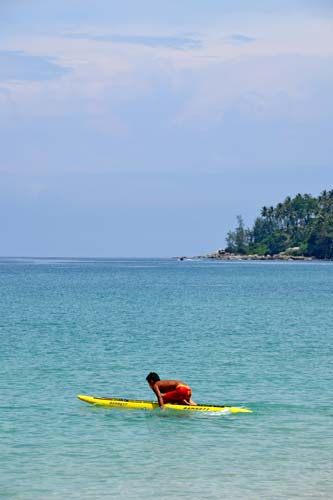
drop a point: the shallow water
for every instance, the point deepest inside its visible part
(257, 335)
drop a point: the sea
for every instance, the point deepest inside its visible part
(249, 334)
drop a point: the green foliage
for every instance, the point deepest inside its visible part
(238, 240)
(303, 221)
(276, 242)
(258, 249)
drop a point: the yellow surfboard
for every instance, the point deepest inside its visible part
(152, 405)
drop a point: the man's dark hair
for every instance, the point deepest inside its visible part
(152, 377)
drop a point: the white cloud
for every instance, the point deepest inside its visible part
(272, 75)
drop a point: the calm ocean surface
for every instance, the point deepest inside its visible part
(257, 335)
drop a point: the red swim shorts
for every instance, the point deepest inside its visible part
(182, 392)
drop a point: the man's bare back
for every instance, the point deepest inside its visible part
(169, 385)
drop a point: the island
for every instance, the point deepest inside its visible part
(299, 228)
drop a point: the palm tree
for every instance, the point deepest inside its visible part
(264, 212)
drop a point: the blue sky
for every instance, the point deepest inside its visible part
(144, 128)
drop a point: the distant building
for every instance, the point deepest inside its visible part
(221, 251)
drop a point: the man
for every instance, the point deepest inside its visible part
(170, 391)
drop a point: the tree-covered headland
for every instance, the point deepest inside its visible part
(302, 225)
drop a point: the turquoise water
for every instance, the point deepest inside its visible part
(257, 335)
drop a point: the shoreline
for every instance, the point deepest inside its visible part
(231, 256)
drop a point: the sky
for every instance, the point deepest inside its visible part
(142, 129)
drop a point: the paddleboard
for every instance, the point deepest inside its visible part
(152, 405)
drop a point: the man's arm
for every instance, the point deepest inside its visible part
(159, 395)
